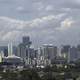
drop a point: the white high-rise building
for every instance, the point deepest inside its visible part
(10, 49)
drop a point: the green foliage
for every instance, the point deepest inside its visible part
(29, 75)
(48, 76)
(48, 73)
(9, 76)
(20, 75)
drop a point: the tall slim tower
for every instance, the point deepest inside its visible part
(10, 49)
(24, 49)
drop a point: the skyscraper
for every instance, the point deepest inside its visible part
(4, 49)
(50, 51)
(47, 53)
(78, 50)
(65, 52)
(73, 54)
(21, 51)
(10, 49)
(26, 40)
(24, 49)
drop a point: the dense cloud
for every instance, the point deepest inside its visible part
(45, 21)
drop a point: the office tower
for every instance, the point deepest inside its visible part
(50, 51)
(0, 58)
(78, 51)
(73, 54)
(26, 41)
(35, 53)
(24, 49)
(10, 49)
(40, 52)
(40, 57)
(47, 53)
(15, 50)
(35, 58)
(32, 53)
(5, 50)
(65, 52)
(21, 51)
(2, 54)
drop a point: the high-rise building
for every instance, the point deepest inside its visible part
(73, 54)
(78, 51)
(24, 49)
(50, 51)
(21, 51)
(47, 54)
(26, 40)
(4, 49)
(1, 58)
(15, 51)
(65, 52)
(10, 49)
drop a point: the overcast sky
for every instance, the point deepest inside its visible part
(45, 21)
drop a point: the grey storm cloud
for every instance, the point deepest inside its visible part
(45, 21)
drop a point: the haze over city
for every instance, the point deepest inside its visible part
(39, 39)
(45, 21)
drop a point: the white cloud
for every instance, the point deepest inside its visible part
(66, 24)
(44, 20)
(11, 36)
(11, 28)
(46, 29)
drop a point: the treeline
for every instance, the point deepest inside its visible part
(47, 73)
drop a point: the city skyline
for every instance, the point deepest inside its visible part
(39, 39)
(45, 55)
